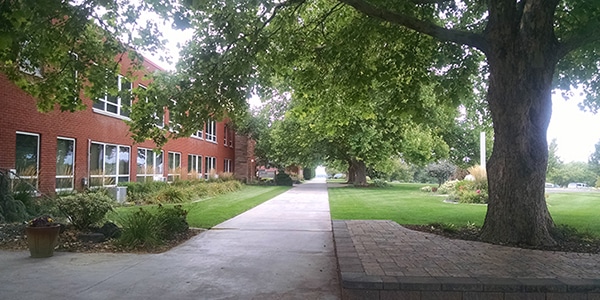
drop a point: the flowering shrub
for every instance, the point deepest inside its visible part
(447, 187)
(426, 189)
(466, 191)
(42, 221)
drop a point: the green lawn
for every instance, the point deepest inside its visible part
(210, 212)
(406, 204)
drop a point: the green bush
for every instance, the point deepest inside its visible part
(144, 229)
(447, 187)
(85, 209)
(173, 220)
(466, 191)
(12, 209)
(172, 194)
(379, 183)
(308, 173)
(283, 179)
(141, 229)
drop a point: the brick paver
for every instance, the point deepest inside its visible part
(382, 255)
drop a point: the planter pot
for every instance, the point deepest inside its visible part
(42, 240)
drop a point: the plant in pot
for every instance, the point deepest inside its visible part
(42, 236)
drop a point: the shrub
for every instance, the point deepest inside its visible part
(12, 209)
(479, 173)
(283, 179)
(466, 191)
(85, 209)
(172, 194)
(447, 187)
(173, 220)
(140, 229)
(379, 183)
(227, 176)
(426, 189)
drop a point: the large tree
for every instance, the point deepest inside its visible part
(525, 43)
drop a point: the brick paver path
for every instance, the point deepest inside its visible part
(384, 248)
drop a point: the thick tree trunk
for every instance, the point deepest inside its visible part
(351, 173)
(521, 58)
(360, 171)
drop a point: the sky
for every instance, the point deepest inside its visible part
(575, 131)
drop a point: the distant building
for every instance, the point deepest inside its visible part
(64, 151)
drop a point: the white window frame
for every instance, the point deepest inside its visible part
(210, 163)
(119, 104)
(157, 172)
(172, 171)
(211, 131)
(37, 161)
(158, 121)
(104, 177)
(72, 176)
(227, 165)
(199, 163)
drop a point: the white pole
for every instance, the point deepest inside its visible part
(482, 149)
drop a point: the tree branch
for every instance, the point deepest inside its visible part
(580, 38)
(428, 28)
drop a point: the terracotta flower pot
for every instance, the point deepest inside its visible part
(42, 240)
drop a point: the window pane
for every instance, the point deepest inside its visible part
(141, 161)
(110, 160)
(159, 164)
(123, 160)
(64, 157)
(99, 104)
(27, 154)
(96, 159)
(64, 183)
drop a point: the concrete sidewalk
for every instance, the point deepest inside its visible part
(282, 249)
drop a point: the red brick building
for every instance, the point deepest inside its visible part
(62, 151)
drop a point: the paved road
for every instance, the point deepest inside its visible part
(282, 249)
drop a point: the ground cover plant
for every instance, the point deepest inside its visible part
(153, 228)
(574, 213)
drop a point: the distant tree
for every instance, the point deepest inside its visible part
(574, 172)
(441, 171)
(594, 160)
(554, 162)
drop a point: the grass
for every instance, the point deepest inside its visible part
(210, 212)
(406, 204)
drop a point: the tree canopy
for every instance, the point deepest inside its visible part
(388, 50)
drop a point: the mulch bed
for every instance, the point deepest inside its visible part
(12, 237)
(565, 243)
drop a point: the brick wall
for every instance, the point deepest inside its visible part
(19, 113)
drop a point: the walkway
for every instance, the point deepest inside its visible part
(282, 249)
(383, 260)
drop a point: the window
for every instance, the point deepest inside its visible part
(115, 104)
(210, 164)
(197, 134)
(149, 165)
(27, 162)
(65, 164)
(225, 134)
(174, 166)
(194, 166)
(227, 166)
(159, 117)
(211, 131)
(109, 164)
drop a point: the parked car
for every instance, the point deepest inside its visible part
(339, 175)
(576, 185)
